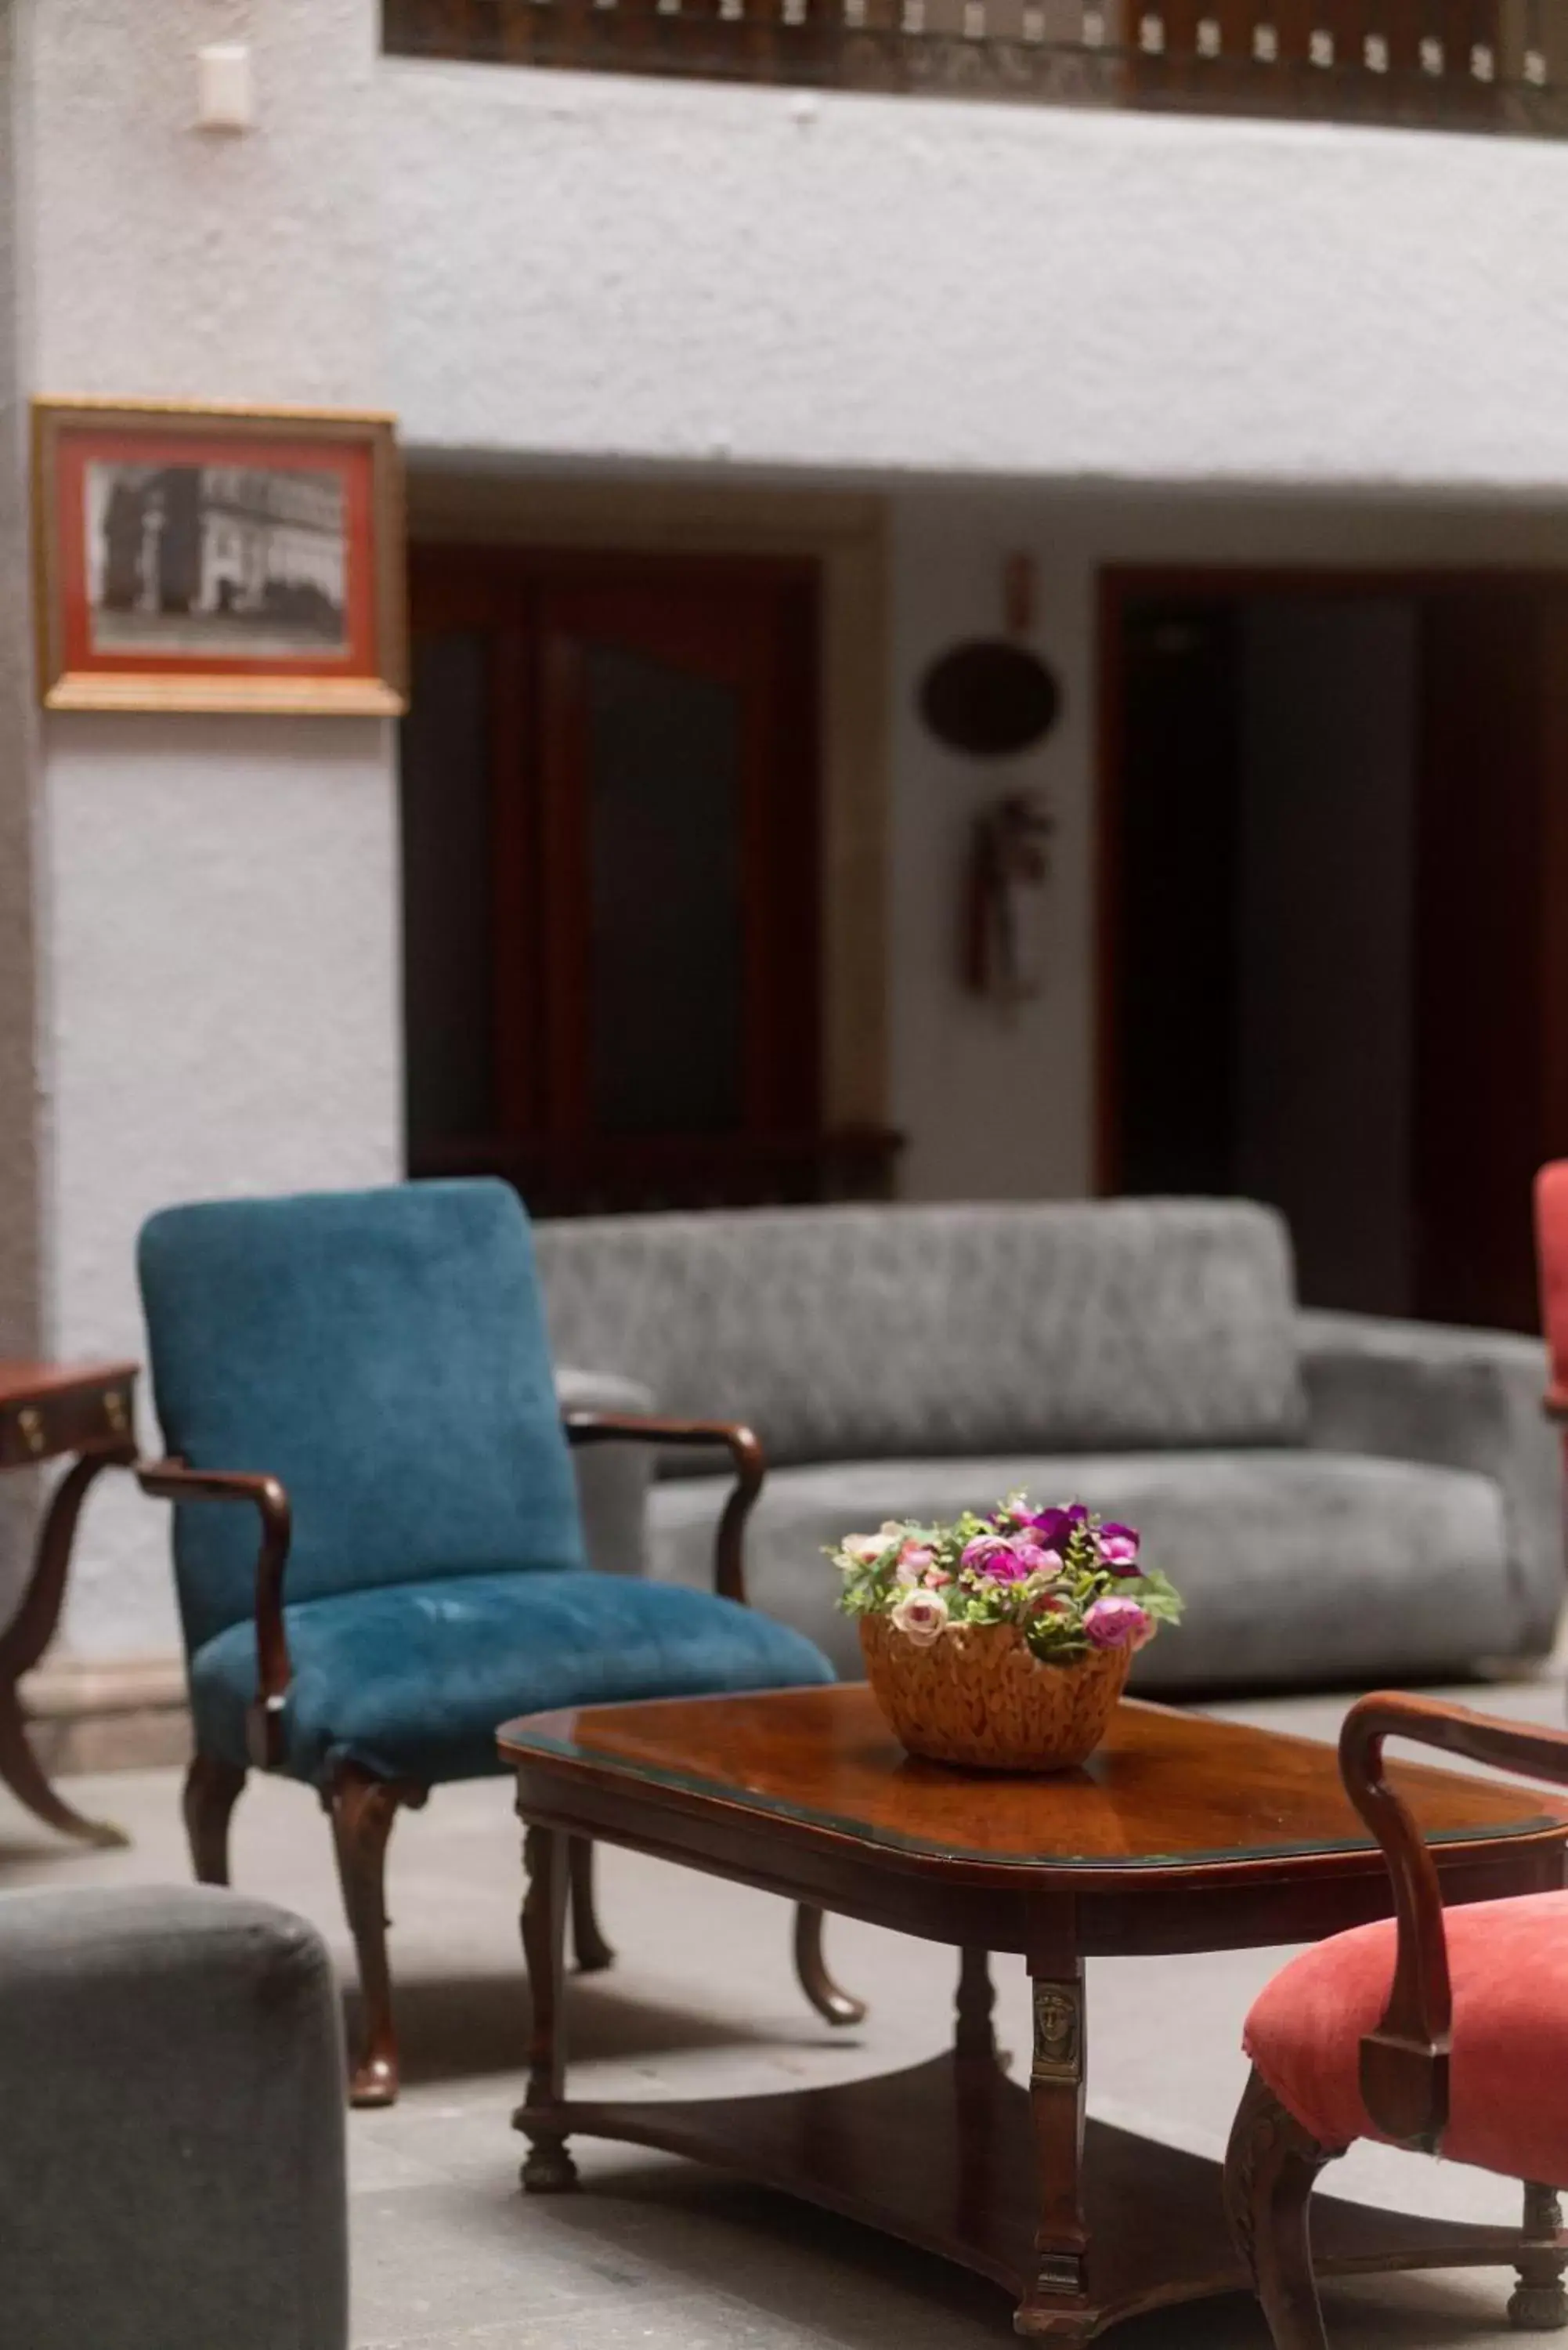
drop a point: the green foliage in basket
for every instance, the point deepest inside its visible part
(1071, 1581)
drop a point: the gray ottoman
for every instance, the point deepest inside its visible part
(171, 2124)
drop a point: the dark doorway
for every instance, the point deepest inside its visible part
(1333, 919)
(611, 876)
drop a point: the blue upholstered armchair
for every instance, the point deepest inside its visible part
(368, 1375)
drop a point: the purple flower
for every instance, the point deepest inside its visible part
(983, 1547)
(1118, 1547)
(1119, 1624)
(1033, 1559)
(1054, 1527)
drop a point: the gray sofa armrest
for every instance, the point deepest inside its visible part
(1460, 1399)
(171, 2149)
(612, 1479)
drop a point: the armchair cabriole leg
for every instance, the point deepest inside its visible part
(589, 1947)
(1539, 2304)
(1271, 2167)
(834, 2006)
(363, 1810)
(212, 1788)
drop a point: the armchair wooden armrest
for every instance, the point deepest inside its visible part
(172, 1480)
(1405, 2062)
(747, 1457)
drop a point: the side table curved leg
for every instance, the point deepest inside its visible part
(1540, 2305)
(22, 1643)
(834, 2006)
(20, 1770)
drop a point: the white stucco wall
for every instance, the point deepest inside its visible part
(23, 1235)
(593, 268)
(200, 994)
(220, 900)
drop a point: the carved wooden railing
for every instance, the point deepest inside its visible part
(1494, 66)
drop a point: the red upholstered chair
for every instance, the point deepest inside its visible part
(1448, 2034)
(1551, 1257)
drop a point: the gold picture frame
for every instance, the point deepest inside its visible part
(218, 556)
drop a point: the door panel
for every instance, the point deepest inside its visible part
(666, 932)
(1480, 1093)
(653, 822)
(1176, 1014)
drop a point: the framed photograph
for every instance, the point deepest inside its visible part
(218, 559)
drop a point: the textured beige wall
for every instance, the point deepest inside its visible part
(604, 267)
(21, 1136)
(221, 893)
(594, 272)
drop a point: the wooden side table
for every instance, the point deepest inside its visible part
(48, 1412)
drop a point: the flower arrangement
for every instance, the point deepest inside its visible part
(1072, 1583)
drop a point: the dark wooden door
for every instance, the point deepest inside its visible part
(640, 734)
(1174, 1011)
(1490, 1098)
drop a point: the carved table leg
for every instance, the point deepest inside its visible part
(589, 1947)
(1056, 2103)
(1271, 2167)
(1539, 2304)
(549, 2169)
(974, 2037)
(833, 2006)
(22, 1643)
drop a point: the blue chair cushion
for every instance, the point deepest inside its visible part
(413, 1680)
(382, 1353)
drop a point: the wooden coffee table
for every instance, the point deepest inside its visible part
(1183, 1833)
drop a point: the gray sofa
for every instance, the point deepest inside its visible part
(171, 2124)
(1339, 1499)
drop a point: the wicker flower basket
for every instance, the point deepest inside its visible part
(978, 1696)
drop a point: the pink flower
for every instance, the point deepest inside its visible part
(914, 1560)
(1118, 1547)
(1119, 1624)
(1032, 1558)
(921, 1616)
(936, 1577)
(1005, 1562)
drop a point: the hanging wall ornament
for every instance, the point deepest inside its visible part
(993, 697)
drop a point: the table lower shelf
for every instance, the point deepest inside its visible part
(943, 2156)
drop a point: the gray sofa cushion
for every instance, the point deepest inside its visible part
(1295, 1565)
(846, 1334)
(1460, 1400)
(612, 1479)
(171, 2124)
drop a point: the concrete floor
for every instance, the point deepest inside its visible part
(660, 2254)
